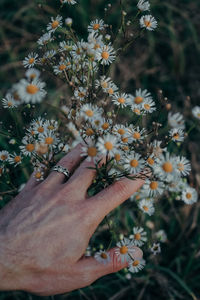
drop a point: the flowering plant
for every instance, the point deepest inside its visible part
(117, 129)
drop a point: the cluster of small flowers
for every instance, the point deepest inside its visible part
(27, 90)
(41, 143)
(93, 119)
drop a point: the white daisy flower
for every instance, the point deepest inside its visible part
(90, 150)
(38, 126)
(49, 138)
(152, 188)
(177, 134)
(15, 159)
(148, 22)
(31, 92)
(143, 5)
(30, 60)
(4, 155)
(105, 125)
(45, 39)
(102, 257)
(80, 93)
(28, 146)
(161, 236)
(189, 195)
(65, 46)
(112, 89)
(150, 160)
(77, 51)
(106, 54)
(95, 42)
(133, 163)
(103, 82)
(38, 174)
(135, 134)
(183, 164)
(140, 97)
(196, 112)
(147, 206)
(166, 167)
(72, 2)
(89, 111)
(9, 101)
(136, 265)
(125, 250)
(51, 125)
(32, 74)
(107, 145)
(54, 24)
(120, 99)
(120, 130)
(148, 106)
(176, 120)
(176, 186)
(139, 236)
(155, 149)
(96, 25)
(155, 249)
(68, 22)
(49, 54)
(62, 66)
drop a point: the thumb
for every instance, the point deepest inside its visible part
(93, 269)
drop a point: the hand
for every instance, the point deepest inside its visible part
(46, 229)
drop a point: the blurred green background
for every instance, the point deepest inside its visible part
(166, 60)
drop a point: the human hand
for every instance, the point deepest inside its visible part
(45, 230)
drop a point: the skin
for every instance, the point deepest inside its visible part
(45, 230)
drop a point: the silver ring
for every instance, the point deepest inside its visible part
(62, 170)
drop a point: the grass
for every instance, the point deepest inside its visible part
(168, 60)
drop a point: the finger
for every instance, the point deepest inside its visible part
(114, 195)
(83, 176)
(94, 269)
(69, 161)
(31, 183)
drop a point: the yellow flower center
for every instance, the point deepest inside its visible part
(105, 55)
(38, 175)
(124, 139)
(135, 263)
(49, 140)
(17, 159)
(62, 67)
(134, 163)
(117, 157)
(89, 113)
(30, 147)
(153, 185)
(104, 255)
(137, 236)
(150, 161)
(167, 167)
(138, 100)
(54, 24)
(123, 249)
(188, 195)
(108, 146)
(136, 111)
(105, 125)
(41, 149)
(81, 94)
(121, 131)
(121, 100)
(136, 135)
(110, 91)
(89, 132)
(96, 26)
(31, 60)
(147, 23)
(51, 127)
(176, 136)
(104, 85)
(145, 208)
(96, 46)
(10, 103)
(32, 89)
(125, 148)
(92, 151)
(4, 157)
(147, 106)
(40, 129)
